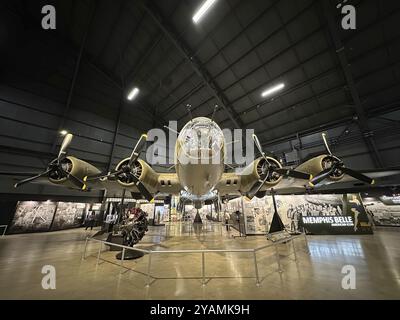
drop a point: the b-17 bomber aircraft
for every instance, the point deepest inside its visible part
(200, 170)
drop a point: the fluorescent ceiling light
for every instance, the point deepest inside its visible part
(132, 95)
(202, 10)
(273, 89)
(63, 132)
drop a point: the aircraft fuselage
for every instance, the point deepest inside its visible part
(199, 156)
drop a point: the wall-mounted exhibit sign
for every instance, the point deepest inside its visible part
(318, 214)
(350, 218)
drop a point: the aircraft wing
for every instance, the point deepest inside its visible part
(17, 176)
(234, 184)
(383, 178)
(168, 183)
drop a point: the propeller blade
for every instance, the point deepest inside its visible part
(142, 189)
(258, 145)
(78, 182)
(18, 174)
(256, 188)
(293, 174)
(137, 149)
(65, 144)
(326, 143)
(357, 175)
(321, 176)
(20, 183)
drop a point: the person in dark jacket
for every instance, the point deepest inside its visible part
(90, 221)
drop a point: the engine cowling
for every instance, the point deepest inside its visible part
(315, 165)
(76, 167)
(142, 171)
(256, 171)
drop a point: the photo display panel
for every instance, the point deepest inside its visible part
(384, 209)
(317, 214)
(33, 216)
(68, 215)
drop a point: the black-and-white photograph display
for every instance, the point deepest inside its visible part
(384, 210)
(318, 214)
(33, 216)
(234, 209)
(68, 215)
(258, 215)
(214, 150)
(293, 207)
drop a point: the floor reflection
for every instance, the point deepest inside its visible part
(330, 249)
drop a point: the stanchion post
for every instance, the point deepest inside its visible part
(294, 250)
(122, 259)
(84, 250)
(306, 241)
(98, 254)
(4, 230)
(256, 268)
(203, 271)
(278, 260)
(148, 271)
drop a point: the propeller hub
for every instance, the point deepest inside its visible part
(59, 169)
(267, 169)
(334, 163)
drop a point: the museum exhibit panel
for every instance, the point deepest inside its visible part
(200, 150)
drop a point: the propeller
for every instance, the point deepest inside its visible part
(57, 168)
(271, 171)
(280, 171)
(335, 167)
(127, 172)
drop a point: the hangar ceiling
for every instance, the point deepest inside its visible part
(77, 76)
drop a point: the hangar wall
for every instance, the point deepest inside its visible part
(39, 98)
(347, 142)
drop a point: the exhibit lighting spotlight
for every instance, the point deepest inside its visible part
(63, 132)
(133, 94)
(202, 10)
(273, 90)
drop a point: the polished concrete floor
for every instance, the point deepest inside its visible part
(315, 275)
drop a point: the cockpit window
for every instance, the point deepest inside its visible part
(201, 138)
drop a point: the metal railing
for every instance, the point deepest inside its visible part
(5, 229)
(199, 251)
(203, 228)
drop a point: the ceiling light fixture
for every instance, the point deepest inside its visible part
(132, 95)
(202, 10)
(273, 89)
(63, 132)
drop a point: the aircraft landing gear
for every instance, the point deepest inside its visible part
(197, 219)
